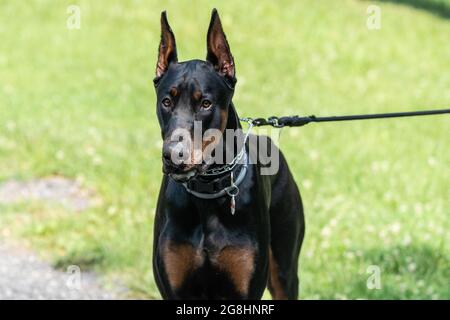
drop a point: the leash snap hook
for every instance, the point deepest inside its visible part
(247, 119)
(273, 121)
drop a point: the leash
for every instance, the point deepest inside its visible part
(232, 189)
(296, 121)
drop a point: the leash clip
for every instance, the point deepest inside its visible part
(273, 121)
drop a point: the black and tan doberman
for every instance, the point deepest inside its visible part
(211, 242)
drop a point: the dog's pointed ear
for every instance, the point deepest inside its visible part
(219, 53)
(167, 47)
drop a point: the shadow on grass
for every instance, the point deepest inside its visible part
(439, 8)
(86, 259)
(398, 259)
(407, 272)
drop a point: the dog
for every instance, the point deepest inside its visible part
(221, 231)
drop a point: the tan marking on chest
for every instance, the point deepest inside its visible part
(179, 261)
(238, 264)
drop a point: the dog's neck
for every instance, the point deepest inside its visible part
(233, 119)
(233, 123)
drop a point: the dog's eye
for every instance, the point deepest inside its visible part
(206, 104)
(167, 102)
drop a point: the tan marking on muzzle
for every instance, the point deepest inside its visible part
(197, 155)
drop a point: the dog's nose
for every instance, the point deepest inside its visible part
(169, 150)
(166, 154)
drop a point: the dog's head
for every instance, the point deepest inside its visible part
(192, 91)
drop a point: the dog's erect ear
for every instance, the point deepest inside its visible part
(167, 47)
(219, 53)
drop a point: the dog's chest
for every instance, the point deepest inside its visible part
(214, 253)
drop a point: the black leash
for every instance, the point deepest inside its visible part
(296, 121)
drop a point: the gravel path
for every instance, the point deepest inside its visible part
(24, 276)
(66, 192)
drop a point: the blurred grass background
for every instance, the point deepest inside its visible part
(80, 103)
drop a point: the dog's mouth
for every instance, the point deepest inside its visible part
(183, 172)
(183, 176)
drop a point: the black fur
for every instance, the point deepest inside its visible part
(269, 212)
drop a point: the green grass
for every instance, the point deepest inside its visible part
(80, 103)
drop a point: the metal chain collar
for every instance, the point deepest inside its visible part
(236, 160)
